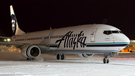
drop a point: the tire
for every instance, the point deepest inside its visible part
(108, 60)
(58, 57)
(28, 59)
(62, 57)
(104, 60)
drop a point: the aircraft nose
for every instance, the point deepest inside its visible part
(125, 39)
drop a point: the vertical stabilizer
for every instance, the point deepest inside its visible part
(15, 27)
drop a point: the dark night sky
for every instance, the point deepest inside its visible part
(35, 15)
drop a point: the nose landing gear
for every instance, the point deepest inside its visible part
(60, 56)
(106, 60)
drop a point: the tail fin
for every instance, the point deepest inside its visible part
(15, 27)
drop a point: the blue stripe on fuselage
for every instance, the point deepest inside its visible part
(107, 45)
(117, 44)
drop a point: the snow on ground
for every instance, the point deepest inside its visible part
(72, 66)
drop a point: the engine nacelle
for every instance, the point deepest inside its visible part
(85, 55)
(30, 51)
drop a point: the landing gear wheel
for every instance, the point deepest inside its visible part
(60, 56)
(106, 60)
(28, 58)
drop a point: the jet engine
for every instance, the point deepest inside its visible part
(85, 55)
(30, 51)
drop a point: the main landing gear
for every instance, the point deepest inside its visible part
(60, 56)
(106, 60)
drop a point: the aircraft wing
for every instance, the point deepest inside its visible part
(11, 43)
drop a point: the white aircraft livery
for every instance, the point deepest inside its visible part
(83, 40)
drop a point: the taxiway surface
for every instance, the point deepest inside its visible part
(13, 64)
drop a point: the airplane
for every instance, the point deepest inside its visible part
(82, 40)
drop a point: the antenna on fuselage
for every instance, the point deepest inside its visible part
(104, 21)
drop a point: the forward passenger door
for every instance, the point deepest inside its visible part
(93, 35)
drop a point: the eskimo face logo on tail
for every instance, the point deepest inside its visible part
(72, 42)
(13, 21)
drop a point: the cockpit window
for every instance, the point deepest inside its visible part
(120, 31)
(115, 31)
(108, 32)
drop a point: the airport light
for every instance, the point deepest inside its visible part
(132, 40)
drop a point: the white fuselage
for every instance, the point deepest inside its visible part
(96, 38)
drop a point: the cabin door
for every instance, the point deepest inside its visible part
(93, 35)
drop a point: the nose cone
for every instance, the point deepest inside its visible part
(124, 39)
(127, 40)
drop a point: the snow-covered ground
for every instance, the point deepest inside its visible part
(72, 66)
